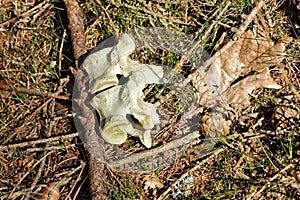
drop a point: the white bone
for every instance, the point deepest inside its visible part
(114, 102)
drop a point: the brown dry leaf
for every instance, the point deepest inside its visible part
(248, 54)
(51, 192)
(152, 183)
(238, 93)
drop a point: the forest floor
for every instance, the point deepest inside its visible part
(257, 158)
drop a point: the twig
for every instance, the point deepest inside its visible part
(34, 92)
(15, 195)
(207, 32)
(239, 162)
(60, 55)
(248, 20)
(28, 119)
(37, 177)
(77, 179)
(220, 41)
(50, 148)
(79, 188)
(67, 160)
(199, 165)
(76, 26)
(147, 9)
(167, 146)
(26, 13)
(291, 86)
(41, 168)
(40, 13)
(258, 193)
(111, 23)
(84, 115)
(26, 174)
(237, 34)
(29, 143)
(145, 154)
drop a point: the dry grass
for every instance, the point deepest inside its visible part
(259, 158)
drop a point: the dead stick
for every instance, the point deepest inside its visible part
(85, 115)
(199, 165)
(26, 13)
(33, 92)
(76, 25)
(30, 143)
(145, 154)
(28, 119)
(207, 32)
(249, 19)
(26, 174)
(42, 165)
(258, 193)
(238, 33)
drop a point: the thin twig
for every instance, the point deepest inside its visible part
(79, 188)
(29, 143)
(27, 120)
(34, 92)
(258, 193)
(60, 55)
(40, 13)
(26, 174)
(41, 168)
(249, 19)
(26, 13)
(199, 165)
(207, 32)
(290, 85)
(237, 34)
(36, 149)
(111, 23)
(145, 154)
(77, 179)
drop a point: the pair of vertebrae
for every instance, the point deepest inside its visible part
(120, 105)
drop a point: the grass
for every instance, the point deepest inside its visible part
(128, 189)
(261, 150)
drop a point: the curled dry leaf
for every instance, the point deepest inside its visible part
(51, 192)
(238, 93)
(152, 183)
(248, 54)
(229, 72)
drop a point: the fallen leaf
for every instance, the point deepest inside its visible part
(51, 192)
(152, 183)
(239, 93)
(248, 54)
(227, 74)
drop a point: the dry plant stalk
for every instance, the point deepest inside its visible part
(86, 116)
(76, 25)
(51, 192)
